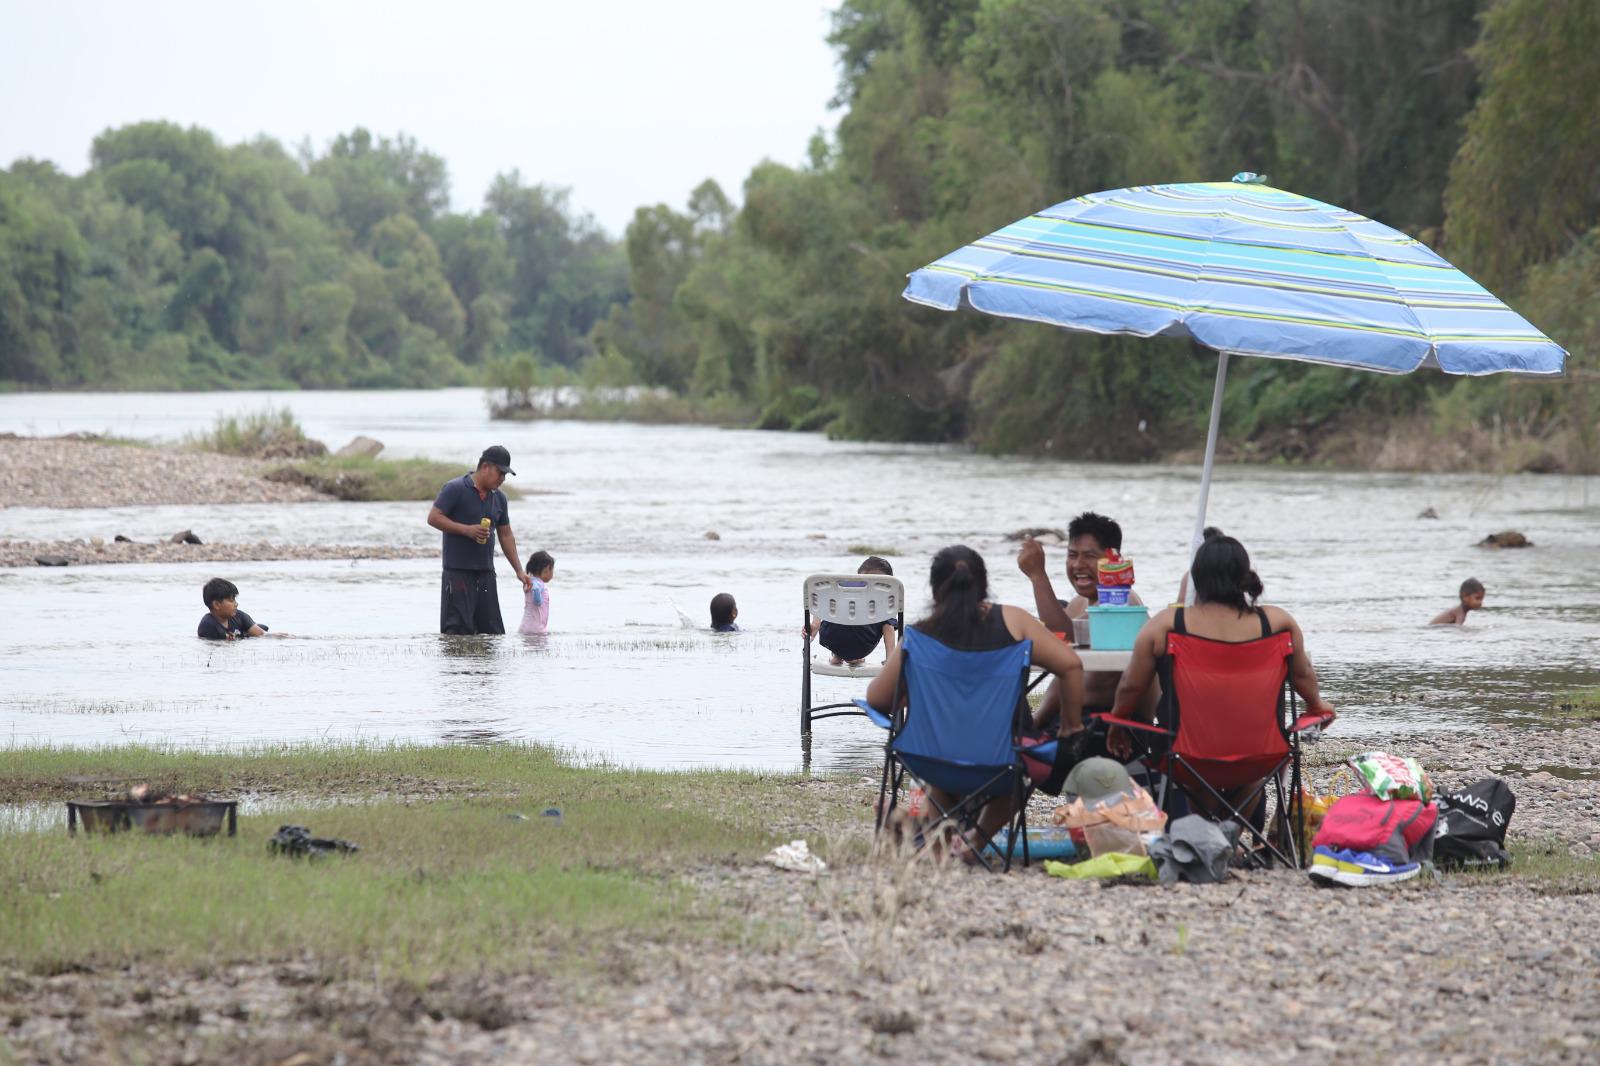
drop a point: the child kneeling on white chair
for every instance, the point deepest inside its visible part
(850, 645)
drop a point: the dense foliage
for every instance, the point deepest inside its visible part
(176, 262)
(1471, 124)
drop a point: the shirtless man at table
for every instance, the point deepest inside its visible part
(1089, 536)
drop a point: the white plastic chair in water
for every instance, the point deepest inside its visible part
(850, 600)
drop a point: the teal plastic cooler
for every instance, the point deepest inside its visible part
(1113, 628)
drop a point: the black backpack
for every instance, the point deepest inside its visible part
(1472, 825)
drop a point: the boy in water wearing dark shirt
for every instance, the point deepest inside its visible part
(852, 644)
(223, 619)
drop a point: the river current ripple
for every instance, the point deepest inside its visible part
(103, 655)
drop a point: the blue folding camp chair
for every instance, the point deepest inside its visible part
(958, 733)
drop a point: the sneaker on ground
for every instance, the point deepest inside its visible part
(1339, 866)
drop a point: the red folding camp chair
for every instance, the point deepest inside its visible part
(1227, 726)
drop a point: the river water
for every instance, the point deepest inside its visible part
(629, 674)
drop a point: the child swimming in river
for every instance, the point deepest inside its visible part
(1471, 600)
(723, 612)
(223, 620)
(852, 644)
(541, 570)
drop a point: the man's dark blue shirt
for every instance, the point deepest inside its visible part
(460, 502)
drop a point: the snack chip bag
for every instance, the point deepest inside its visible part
(1392, 777)
(1115, 570)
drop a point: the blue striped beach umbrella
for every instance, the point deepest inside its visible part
(1244, 269)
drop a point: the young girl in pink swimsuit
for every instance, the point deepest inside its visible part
(536, 602)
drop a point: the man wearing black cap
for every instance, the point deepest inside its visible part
(471, 511)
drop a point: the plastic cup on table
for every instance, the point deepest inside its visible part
(1080, 632)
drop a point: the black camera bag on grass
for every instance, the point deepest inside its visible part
(1472, 825)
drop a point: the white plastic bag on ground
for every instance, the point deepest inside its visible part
(796, 855)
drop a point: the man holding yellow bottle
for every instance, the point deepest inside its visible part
(471, 512)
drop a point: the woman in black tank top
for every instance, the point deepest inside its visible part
(1225, 591)
(964, 618)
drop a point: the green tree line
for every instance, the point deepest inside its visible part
(1473, 125)
(178, 262)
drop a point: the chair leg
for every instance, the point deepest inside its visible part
(887, 786)
(1286, 823)
(805, 681)
(962, 815)
(1019, 827)
(1297, 803)
(1259, 836)
(1295, 810)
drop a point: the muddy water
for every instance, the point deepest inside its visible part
(107, 655)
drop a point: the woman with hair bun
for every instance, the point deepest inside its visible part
(965, 619)
(1225, 593)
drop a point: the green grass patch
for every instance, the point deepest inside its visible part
(270, 433)
(445, 881)
(871, 549)
(531, 771)
(1551, 868)
(357, 477)
(1582, 704)
(435, 889)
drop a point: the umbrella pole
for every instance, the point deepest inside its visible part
(1211, 456)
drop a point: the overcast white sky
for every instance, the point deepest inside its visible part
(627, 102)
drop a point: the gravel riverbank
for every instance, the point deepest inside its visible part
(885, 960)
(90, 553)
(908, 963)
(70, 472)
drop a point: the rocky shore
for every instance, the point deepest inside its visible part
(86, 472)
(76, 472)
(98, 552)
(916, 965)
